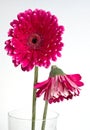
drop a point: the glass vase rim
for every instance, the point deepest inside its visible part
(10, 114)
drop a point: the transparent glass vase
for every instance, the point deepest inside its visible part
(21, 120)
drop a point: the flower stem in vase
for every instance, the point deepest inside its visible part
(44, 115)
(34, 99)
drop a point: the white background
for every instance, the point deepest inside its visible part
(16, 86)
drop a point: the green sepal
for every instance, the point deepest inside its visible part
(55, 71)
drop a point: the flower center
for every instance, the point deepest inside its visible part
(34, 41)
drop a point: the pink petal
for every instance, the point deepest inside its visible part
(41, 84)
(76, 79)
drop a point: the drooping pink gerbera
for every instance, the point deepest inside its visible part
(35, 39)
(59, 87)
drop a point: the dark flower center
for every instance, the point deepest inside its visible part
(34, 41)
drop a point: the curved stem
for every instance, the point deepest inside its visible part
(34, 99)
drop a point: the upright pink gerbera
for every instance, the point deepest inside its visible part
(35, 39)
(59, 87)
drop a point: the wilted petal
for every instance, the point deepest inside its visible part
(76, 79)
(59, 87)
(41, 84)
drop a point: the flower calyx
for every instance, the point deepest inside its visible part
(55, 71)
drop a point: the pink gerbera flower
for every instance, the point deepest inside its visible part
(59, 86)
(35, 39)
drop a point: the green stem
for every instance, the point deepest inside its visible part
(44, 115)
(34, 99)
